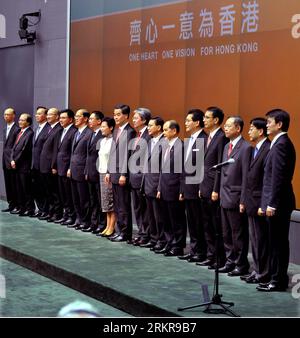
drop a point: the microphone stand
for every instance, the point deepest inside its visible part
(217, 297)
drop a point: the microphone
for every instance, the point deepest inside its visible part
(231, 160)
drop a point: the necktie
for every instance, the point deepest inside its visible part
(118, 134)
(63, 135)
(167, 153)
(19, 136)
(191, 142)
(255, 151)
(77, 136)
(208, 141)
(37, 132)
(230, 149)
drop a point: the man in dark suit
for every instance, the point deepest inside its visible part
(169, 190)
(234, 223)
(191, 178)
(38, 184)
(140, 121)
(53, 209)
(10, 133)
(210, 187)
(150, 181)
(21, 156)
(92, 174)
(251, 201)
(118, 173)
(278, 200)
(61, 163)
(80, 188)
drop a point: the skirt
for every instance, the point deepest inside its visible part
(106, 195)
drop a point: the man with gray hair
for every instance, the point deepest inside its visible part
(234, 223)
(140, 121)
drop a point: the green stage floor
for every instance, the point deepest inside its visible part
(132, 279)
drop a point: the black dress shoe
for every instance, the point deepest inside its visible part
(119, 238)
(26, 213)
(252, 280)
(174, 252)
(60, 220)
(97, 231)
(72, 225)
(136, 241)
(207, 262)
(44, 217)
(6, 210)
(226, 269)
(36, 214)
(111, 237)
(237, 272)
(89, 229)
(196, 259)
(244, 277)
(271, 287)
(162, 251)
(15, 211)
(147, 245)
(185, 257)
(69, 221)
(129, 241)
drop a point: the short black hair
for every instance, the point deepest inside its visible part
(42, 107)
(260, 123)
(69, 112)
(124, 107)
(86, 114)
(110, 122)
(280, 115)
(217, 112)
(158, 121)
(99, 115)
(28, 118)
(174, 125)
(197, 115)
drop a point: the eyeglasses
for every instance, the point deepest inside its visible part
(208, 117)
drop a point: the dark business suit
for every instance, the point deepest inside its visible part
(53, 207)
(278, 193)
(251, 198)
(190, 192)
(135, 178)
(22, 155)
(118, 166)
(234, 224)
(211, 213)
(149, 188)
(93, 179)
(61, 162)
(80, 189)
(38, 184)
(9, 173)
(173, 209)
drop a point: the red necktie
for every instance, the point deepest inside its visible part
(139, 134)
(19, 136)
(230, 149)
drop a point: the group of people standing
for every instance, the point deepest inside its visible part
(83, 170)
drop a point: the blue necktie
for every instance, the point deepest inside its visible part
(255, 152)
